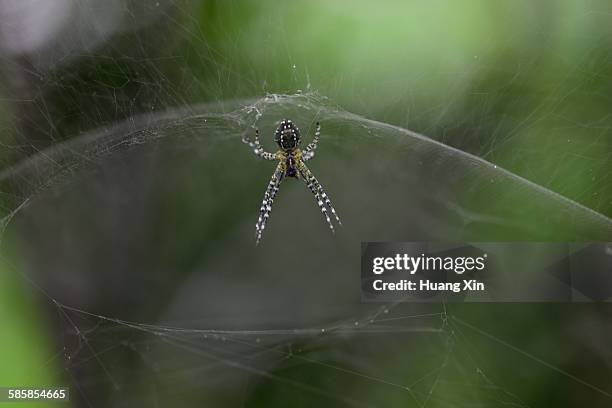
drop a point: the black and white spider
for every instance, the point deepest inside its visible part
(291, 163)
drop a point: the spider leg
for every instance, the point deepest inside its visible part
(266, 204)
(316, 188)
(256, 146)
(309, 152)
(328, 202)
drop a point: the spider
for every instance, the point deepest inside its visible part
(291, 163)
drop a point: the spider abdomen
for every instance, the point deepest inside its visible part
(287, 136)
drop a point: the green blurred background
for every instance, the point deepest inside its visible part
(525, 85)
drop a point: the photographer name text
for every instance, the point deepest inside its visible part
(425, 285)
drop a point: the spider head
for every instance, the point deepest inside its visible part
(287, 136)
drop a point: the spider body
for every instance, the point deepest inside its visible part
(290, 167)
(287, 136)
(291, 163)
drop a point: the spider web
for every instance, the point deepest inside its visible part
(137, 237)
(265, 324)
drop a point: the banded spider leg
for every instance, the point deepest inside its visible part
(257, 149)
(309, 152)
(317, 190)
(266, 204)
